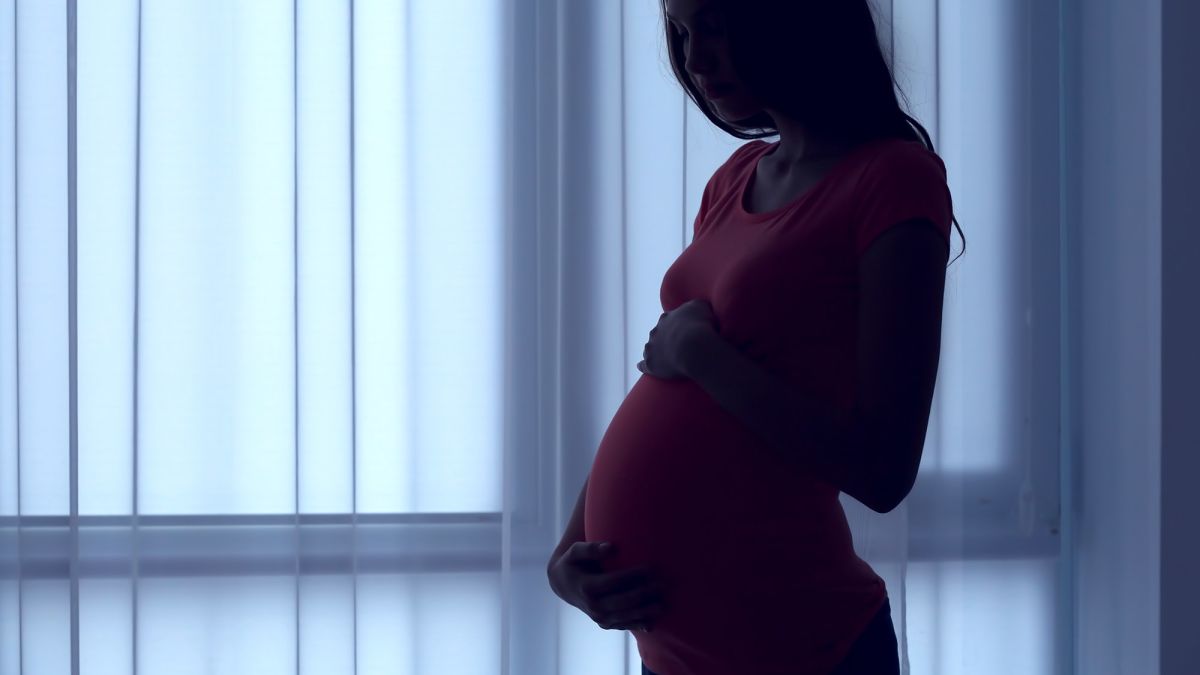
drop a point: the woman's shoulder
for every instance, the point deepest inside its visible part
(736, 163)
(887, 155)
(897, 164)
(754, 147)
(902, 155)
(742, 156)
(742, 153)
(901, 177)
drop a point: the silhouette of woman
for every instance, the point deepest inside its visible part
(822, 258)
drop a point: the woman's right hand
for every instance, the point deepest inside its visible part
(624, 600)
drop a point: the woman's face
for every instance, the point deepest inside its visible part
(700, 28)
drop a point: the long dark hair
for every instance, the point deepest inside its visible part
(820, 61)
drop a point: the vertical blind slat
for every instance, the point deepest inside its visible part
(17, 344)
(353, 363)
(296, 319)
(137, 269)
(73, 320)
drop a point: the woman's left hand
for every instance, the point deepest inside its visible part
(666, 352)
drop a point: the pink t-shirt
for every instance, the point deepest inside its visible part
(755, 555)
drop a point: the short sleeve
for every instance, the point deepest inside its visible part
(902, 183)
(705, 200)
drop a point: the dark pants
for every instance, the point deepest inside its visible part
(875, 652)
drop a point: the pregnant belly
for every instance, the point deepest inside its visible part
(682, 486)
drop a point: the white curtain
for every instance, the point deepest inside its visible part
(313, 313)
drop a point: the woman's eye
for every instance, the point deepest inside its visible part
(710, 30)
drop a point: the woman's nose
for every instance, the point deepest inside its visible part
(698, 66)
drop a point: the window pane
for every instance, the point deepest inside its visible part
(106, 626)
(216, 336)
(41, 262)
(324, 257)
(46, 626)
(326, 624)
(987, 617)
(217, 626)
(429, 623)
(429, 228)
(106, 162)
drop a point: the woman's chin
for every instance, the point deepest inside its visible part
(728, 113)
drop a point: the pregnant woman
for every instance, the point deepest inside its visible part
(795, 359)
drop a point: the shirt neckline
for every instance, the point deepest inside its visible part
(748, 176)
